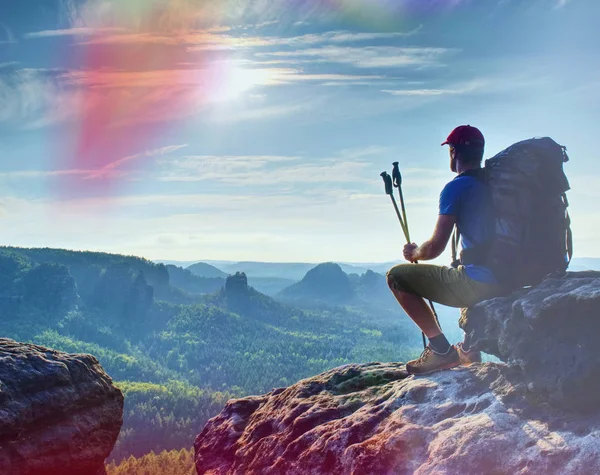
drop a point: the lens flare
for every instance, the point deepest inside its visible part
(143, 66)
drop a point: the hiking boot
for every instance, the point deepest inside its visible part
(430, 361)
(468, 357)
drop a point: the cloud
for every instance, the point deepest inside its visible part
(267, 112)
(420, 92)
(427, 92)
(81, 31)
(207, 77)
(306, 40)
(264, 171)
(194, 14)
(211, 39)
(107, 170)
(370, 56)
(36, 97)
(9, 36)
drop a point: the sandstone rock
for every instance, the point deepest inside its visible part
(375, 419)
(236, 284)
(59, 413)
(551, 332)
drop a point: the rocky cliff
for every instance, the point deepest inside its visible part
(59, 413)
(536, 414)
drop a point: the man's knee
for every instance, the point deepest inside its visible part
(397, 277)
(391, 282)
(396, 287)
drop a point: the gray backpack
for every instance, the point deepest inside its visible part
(532, 235)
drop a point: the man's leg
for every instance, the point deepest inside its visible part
(417, 309)
(421, 313)
(412, 284)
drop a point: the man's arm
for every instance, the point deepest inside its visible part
(437, 243)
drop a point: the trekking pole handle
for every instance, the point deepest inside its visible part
(387, 180)
(397, 176)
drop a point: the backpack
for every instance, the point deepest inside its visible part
(532, 236)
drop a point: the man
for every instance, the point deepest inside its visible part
(464, 202)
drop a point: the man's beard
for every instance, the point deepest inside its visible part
(453, 164)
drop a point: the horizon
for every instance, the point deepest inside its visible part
(258, 133)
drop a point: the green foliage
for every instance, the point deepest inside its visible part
(176, 462)
(163, 416)
(180, 360)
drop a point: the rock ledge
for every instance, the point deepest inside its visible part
(59, 413)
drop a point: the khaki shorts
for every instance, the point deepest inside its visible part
(441, 284)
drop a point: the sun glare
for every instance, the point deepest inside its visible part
(233, 81)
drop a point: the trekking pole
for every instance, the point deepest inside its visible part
(389, 190)
(397, 181)
(397, 176)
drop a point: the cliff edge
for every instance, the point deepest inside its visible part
(59, 413)
(536, 413)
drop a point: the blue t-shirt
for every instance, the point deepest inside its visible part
(467, 199)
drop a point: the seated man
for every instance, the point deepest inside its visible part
(464, 202)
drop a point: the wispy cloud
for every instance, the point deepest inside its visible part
(432, 92)
(202, 40)
(110, 169)
(81, 31)
(561, 3)
(9, 37)
(369, 56)
(35, 97)
(205, 77)
(267, 170)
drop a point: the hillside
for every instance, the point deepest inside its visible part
(325, 283)
(201, 269)
(177, 355)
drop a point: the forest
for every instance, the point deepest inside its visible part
(177, 345)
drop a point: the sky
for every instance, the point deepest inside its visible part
(257, 130)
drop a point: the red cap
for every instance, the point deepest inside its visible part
(465, 135)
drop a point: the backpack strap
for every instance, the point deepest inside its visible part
(568, 222)
(455, 243)
(569, 238)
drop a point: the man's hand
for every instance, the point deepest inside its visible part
(436, 245)
(410, 252)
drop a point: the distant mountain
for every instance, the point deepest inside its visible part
(584, 263)
(201, 269)
(270, 285)
(326, 283)
(294, 271)
(281, 270)
(194, 284)
(168, 262)
(372, 285)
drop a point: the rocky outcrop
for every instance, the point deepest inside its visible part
(59, 413)
(489, 418)
(551, 332)
(375, 419)
(236, 284)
